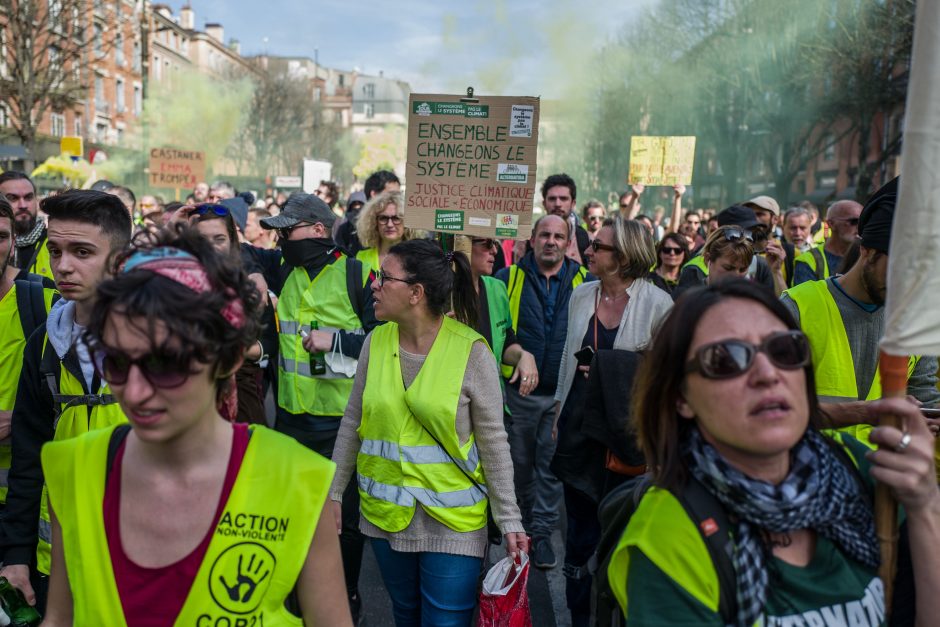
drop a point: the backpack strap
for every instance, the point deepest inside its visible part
(29, 305)
(50, 369)
(117, 437)
(354, 289)
(713, 523)
(820, 262)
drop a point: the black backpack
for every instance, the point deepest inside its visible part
(31, 303)
(614, 513)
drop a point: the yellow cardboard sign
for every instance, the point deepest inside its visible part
(661, 160)
(71, 146)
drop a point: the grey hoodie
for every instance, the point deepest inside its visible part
(63, 332)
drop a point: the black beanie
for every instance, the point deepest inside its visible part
(874, 225)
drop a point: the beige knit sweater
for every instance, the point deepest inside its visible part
(479, 411)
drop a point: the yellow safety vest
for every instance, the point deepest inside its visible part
(514, 289)
(684, 558)
(698, 262)
(42, 265)
(78, 413)
(369, 258)
(12, 344)
(264, 532)
(325, 300)
(400, 464)
(812, 258)
(833, 367)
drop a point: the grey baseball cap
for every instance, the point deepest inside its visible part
(301, 208)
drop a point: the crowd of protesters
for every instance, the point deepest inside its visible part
(209, 408)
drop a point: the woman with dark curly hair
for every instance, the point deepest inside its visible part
(725, 407)
(173, 517)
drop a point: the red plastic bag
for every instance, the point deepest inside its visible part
(504, 600)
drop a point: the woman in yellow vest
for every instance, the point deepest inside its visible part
(381, 225)
(424, 434)
(725, 401)
(182, 518)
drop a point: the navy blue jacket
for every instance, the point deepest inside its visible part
(546, 343)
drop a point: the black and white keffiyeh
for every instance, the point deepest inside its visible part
(819, 493)
(22, 241)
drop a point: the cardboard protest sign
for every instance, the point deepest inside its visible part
(170, 167)
(661, 160)
(471, 166)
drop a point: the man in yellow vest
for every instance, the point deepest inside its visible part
(844, 319)
(823, 260)
(324, 311)
(59, 395)
(31, 253)
(24, 305)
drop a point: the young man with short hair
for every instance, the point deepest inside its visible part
(59, 394)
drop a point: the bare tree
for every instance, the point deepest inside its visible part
(47, 45)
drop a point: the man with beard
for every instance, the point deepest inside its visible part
(823, 260)
(559, 193)
(844, 319)
(31, 253)
(325, 310)
(539, 288)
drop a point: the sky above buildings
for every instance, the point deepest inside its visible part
(502, 47)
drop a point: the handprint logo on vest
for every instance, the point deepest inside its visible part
(240, 577)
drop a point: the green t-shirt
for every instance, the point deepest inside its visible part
(831, 591)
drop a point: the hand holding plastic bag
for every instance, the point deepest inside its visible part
(504, 600)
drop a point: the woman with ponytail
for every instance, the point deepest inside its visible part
(426, 439)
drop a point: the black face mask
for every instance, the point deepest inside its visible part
(304, 253)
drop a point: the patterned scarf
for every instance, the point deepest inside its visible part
(819, 493)
(22, 241)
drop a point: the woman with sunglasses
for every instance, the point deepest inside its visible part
(671, 254)
(217, 224)
(381, 225)
(617, 312)
(725, 406)
(494, 322)
(172, 519)
(728, 252)
(426, 440)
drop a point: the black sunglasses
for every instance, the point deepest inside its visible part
(734, 233)
(727, 359)
(487, 243)
(162, 369)
(672, 250)
(285, 231)
(396, 220)
(596, 246)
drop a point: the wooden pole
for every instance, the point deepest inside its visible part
(893, 370)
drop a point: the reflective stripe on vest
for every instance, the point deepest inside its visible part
(257, 549)
(399, 463)
(833, 366)
(326, 300)
(75, 418)
(514, 290)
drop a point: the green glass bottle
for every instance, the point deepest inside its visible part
(14, 605)
(317, 360)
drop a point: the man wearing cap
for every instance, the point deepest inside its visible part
(844, 319)
(695, 271)
(823, 260)
(324, 310)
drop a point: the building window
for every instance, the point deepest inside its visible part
(138, 100)
(119, 50)
(136, 60)
(101, 132)
(55, 58)
(4, 115)
(342, 80)
(370, 110)
(98, 40)
(120, 135)
(369, 90)
(829, 154)
(4, 68)
(157, 68)
(58, 124)
(77, 126)
(55, 11)
(121, 102)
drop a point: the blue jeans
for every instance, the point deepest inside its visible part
(429, 589)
